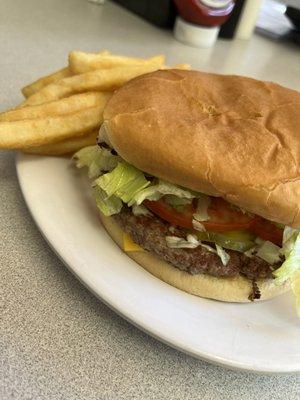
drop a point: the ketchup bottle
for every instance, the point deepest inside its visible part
(199, 21)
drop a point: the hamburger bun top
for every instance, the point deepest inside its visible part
(228, 136)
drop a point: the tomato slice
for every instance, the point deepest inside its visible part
(266, 230)
(223, 218)
(168, 213)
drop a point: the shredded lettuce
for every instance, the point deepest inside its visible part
(107, 205)
(292, 263)
(251, 252)
(208, 247)
(269, 252)
(225, 257)
(162, 188)
(176, 202)
(175, 242)
(290, 269)
(202, 208)
(124, 182)
(265, 250)
(140, 210)
(191, 242)
(288, 240)
(198, 226)
(96, 159)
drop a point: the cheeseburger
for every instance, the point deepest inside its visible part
(202, 171)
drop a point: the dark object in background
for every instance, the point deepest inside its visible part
(294, 16)
(159, 12)
(228, 29)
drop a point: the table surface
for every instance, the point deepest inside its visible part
(57, 340)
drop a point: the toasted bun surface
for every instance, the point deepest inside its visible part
(226, 136)
(225, 289)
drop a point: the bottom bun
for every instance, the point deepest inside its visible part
(235, 289)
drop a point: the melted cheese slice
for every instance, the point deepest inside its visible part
(129, 245)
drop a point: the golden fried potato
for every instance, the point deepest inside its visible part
(67, 146)
(80, 62)
(54, 77)
(181, 66)
(45, 80)
(58, 107)
(36, 132)
(103, 80)
(63, 111)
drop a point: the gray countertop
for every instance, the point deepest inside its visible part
(57, 340)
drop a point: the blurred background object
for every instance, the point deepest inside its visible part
(97, 1)
(277, 19)
(248, 18)
(229, 27)
(159, 12)
(280, 20)
(198, 23)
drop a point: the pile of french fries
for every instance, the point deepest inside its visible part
(63, 111)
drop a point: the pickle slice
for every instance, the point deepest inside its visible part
(235, 240)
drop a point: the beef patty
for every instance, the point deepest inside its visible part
(150, 233)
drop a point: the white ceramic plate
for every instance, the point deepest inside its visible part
(261, 337)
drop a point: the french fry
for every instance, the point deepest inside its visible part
(34, 87)
(45, 80)
(36, 132)
(63, 111)
(177, 66)
(80, 62)
(182, 66)
(66, 146)
(103, 80)
(58, 107)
